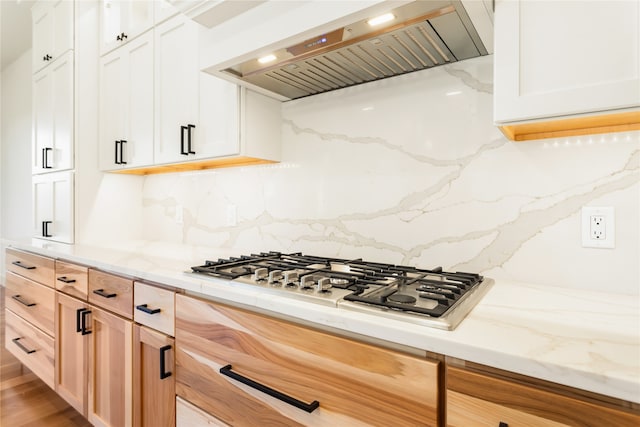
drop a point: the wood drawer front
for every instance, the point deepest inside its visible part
(116, 292)
(188, 415)
(354, 383)
(72, 279)
(474, 399)
(148, 297)
(35, 267)
(33, 302)
(32, 347)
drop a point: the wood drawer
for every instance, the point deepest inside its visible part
(32, 347)
(188, 415)
(111, 292)
(354, 383)
(32, 301)
(147, 299)
(475, 399)
(35, 267)
(72, 279)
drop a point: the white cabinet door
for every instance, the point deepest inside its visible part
(126, 105)
(176, 90)
(558, 58)
(53, 128)
(122, 21)
(53, 31)
(53, 206)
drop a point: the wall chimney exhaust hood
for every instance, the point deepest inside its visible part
(409, 37)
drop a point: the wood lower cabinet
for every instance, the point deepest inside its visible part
(32, 301)
(188, 415)
(477, 399)
(248, 369)
(154, 378)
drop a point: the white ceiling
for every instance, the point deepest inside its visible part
(15, 29)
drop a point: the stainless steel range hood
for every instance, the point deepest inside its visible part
(421, 34)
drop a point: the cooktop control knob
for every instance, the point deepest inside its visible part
(260, 275)
(275, 277)
(290, 278)
(306, 282)
(323, 285)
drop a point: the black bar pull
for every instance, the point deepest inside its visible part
(65, 279)
(146, 309)
(26, 267)
(163, 373)
(104, 294)
(182, 129)
(189, 139)
(117, 162)
(122, 142)
(45, 229)
(45, 158)
(308, 407)
(83, 321)
(78, 316)
(16, 341)
(23, 302)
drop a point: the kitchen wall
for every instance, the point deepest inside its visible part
(411, 170)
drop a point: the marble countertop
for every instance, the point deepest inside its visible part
(583, 339)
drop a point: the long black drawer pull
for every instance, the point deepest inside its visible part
(104, 294)
(83, 321)
(308, 407)
(16, 341)
(65, 279)
(26, 267)
(163, 373)
(23, 302)
(146, 309)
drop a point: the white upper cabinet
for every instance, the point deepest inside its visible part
(122, 21)
(126, 105)
(53, 33)
(177, 87)
(53, 206)
(53, 130)
(561, 58)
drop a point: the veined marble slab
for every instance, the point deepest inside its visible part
(584, 339)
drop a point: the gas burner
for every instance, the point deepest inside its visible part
(240, 270)
(401, 298)
(336, 281)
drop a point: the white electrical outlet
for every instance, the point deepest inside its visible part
(598, 227)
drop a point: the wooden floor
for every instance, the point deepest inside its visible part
(24, 399)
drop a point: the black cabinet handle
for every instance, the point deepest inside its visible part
(163, 373)
(117, 162)
(121, 37)
(146, 309)
(189, 139)
(45, 229)
(83, 321)
(65, 279)
(16, 341)
(503, 424)
(122, 142)
(23, 302)
(308, 407)
(78, 316)
(45, 158)
(47, 57)
(182, 129)
(21, 265)
(104, 294)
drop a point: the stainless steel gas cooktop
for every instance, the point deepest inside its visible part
(434, 298)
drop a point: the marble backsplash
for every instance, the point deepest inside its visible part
(411, 170)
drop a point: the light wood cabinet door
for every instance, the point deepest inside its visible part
(33, 302)
(72, 279)
(154, 307)
(110, 396)
(71, 351)
(154, 378)
(233, 363)
(478, 400)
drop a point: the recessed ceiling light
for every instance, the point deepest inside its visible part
(266, 59)
(381, 19)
